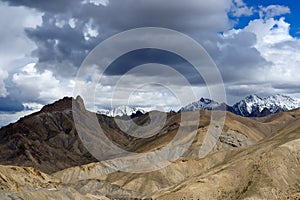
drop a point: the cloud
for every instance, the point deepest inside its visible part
(273, 11)
(11, 117)
(15, 48)
(54, 6)
(39, 86)
(239, 8)
(15, 45)
(65, 38)
(280, 51)
(10, 104)
(97, 2)
(66, 35)
(3, 76)
(290, 88)
(238, 59)
(58, 35)
(277, 46)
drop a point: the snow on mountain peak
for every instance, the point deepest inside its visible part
(202, 104)
(284, 102)
(121, 111)
(251, 105)
(253, 98)
(248, 104)
(275, 103)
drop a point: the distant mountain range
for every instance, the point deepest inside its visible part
(122, 111)
(250, 106)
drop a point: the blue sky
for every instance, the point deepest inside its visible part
(292, 18)
(255, 45)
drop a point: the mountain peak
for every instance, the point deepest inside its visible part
(80, 103)
(206, 100)
(201, 104)
(63, 104)
(252, 97)
(60, 105)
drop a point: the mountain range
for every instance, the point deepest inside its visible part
(122, 111)
(43, 157)
(255, 106)
(250, 106)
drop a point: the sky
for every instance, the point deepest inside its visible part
(255, 45)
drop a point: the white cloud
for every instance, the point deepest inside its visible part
(273, 11)
(32, 106)
(3, 76)
(269, 31)
(281, 50)
(40, 85)
(60, 23)
(276, 45)
(72, 22)
(239, 8)
(15, 46)
(97, 2)
(90, 30)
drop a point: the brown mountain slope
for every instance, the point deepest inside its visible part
(48, 140)
(29, 183)
(253, 159)
(268, 169)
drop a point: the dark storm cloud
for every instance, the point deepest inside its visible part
(61, 46)
(143, 56)
(290, 88)
(13, 102)
(241, 90)
(122, 15)
(53, 6)
(237, 58)
(179, 15)
(10, 104)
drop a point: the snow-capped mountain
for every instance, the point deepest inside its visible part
(254, 105)
(250, 106)
(202, 104)
(121, 111)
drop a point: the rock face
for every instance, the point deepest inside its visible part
(46, 140)
(254, 158)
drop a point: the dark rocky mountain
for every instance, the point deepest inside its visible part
(46, 139)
